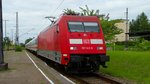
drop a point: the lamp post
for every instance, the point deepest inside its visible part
(17, 30)
(2, 64)
(126, 35)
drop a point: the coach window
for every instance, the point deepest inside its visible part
(76, 27)
(91, 27)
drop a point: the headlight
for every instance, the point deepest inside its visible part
(73, 48)
(99, 48)
(64, 55)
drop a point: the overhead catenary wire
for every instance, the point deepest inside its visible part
(57, 7)
(26, 32)
(51, 18)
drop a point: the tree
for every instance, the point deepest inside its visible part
(70, 12)
(109, 29)
(140, 24)
(84, 12)
(28, 40)
(87, 12)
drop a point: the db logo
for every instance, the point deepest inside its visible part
(86, 41)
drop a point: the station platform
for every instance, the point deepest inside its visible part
(20, 70)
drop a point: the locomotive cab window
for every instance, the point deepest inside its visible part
(91, 27)
(83, 27)
(76, 27)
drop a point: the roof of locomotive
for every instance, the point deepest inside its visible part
(78, 16)
(70, 17)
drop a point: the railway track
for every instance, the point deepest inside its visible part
(94, 78)
(90, 78)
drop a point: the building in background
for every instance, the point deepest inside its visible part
(122, 37)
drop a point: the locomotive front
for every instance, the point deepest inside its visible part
(86, 48)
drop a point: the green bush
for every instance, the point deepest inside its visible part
(18, 48)
(144, 45)
(139, 44)
(129, 43)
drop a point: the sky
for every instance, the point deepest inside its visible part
(32, 13)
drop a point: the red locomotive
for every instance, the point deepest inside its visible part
(76, 42)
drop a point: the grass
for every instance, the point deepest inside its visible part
(129, 65)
